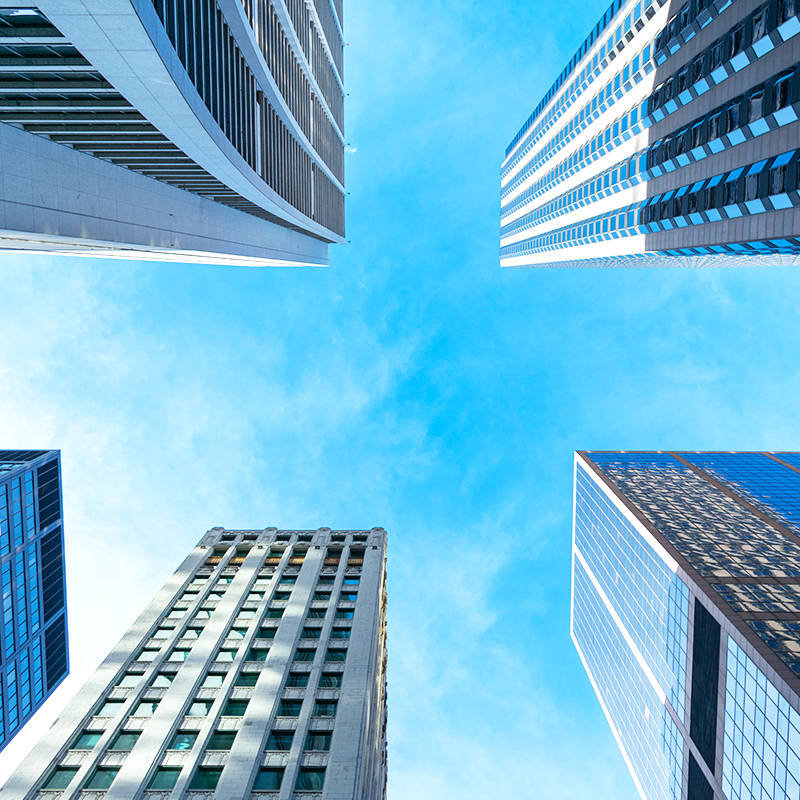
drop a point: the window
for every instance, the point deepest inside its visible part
(330, 680)
(221, 740)
(148, 654)
(164, 778)
(102, 778)
(205, 778)
(335, 655)
(317, 740)
(340, 633)
(757, 104)
(302, 654)
(289, 708)
(163, 680)
(352, 581)
(325, 708)
(297, 680)
(288, 579)
(786, 10)
(235, 708)
(737, 41)
(87, 740)
(110, 708)
(759, 25)
(146, 708)
(183, 740)
(179, 654)
(125, 740)
(713, 126)
(342, 613)
(213, 681)
(273, 613)
(317, 613)
(322, 597)
(191, 633)
(236, 633)
(325, 580)
(258, 654)
(199, 708)
(247, 679)
(203, 614)
(310, 780)
(269, 779)
(226, 654)
(266, 633)
(60, 777)
(280, 740)
(783, 91)
(281, 596)
(129, 681)
(176, 613)
(348, 597)
(310, 633)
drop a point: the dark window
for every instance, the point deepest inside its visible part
(310, 633)
(348, 597)
(732, 116)
(297, 680)
(55, 651)
(258, 654)
(759, 24)
(783, 91)
(273, 613)
(705, 680)
(344, 614)
(737, 41)
(786, 10)
(777, 180)
(52, 574)
(269, 779)
(698, 787)
(221, 740)
(289, 708)
(330, 680)
(164, 778)
(280, 740)
(729, 192)
(713, 126)
(325, 708)
(282, 595)
(340, 633)
(247, 679)
(757, 103)
(125, 740)
(317, 613)
(302, 654)
(102, 778)
(322, 596)
(235, 708)
(60, 777)
(206, 778)
(697, 134)
(266, 633)
(49, 495)
(318, 741)
(87, 740)
(716, 55)
(310, 780)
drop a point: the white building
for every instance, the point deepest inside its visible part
(258, 671)
(187, 130)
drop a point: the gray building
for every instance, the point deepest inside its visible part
(670, 139)
(686, 615)
(258, 671)
(186, 130)
(34, 657)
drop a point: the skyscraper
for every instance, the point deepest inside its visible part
(190, 130)
(259, 670)
(670, 139)
(34, 634)
(686, 615)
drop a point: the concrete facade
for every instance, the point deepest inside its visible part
(241, 111)
(262, 619)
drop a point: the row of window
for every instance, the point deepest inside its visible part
(741, 191)
(687, 21)
(309, 779)
(642, 12)
(729, 48)
(22, 507)
(604, 99)
(746, 115)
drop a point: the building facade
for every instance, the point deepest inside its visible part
(686, 615)
(34, 657)
(188, 130)
(670, 139)
(258, 671)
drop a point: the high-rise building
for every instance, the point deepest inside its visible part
(686, 615)
(670, 139)
(187, 130)
(33, 653)
(258, 671)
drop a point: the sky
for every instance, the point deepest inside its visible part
(413, 385)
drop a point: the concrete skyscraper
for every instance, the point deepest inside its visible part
(670, 138)
(33, 650)
(187, 130)
(686, 615)
(258, 671)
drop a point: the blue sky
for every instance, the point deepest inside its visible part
(413, 385)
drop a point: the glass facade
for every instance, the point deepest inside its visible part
(712, 591)
(33, 643)
(609, 157)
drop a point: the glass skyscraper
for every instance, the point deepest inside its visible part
(670, 138)
(184, 130)
(34, 651)
(258, 671)
(686, 615)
